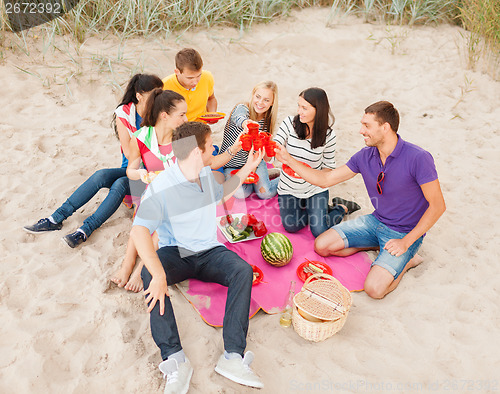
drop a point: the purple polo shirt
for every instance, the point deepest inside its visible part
(402, 202)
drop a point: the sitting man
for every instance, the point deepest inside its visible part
(180, 204)
(197, 87)
(403, 185)
(193, 83)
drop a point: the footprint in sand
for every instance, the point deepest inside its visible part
(129, 331)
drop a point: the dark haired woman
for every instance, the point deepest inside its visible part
(165, 110)
(129, 113)
(309, 138)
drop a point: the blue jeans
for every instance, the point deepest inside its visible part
(264, 188)
(114, 179)
(296, 213)
(369, 232)
(218, 265)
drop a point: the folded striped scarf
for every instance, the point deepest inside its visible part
(126, 113)
(147, 136)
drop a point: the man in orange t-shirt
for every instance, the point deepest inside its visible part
(193, 83)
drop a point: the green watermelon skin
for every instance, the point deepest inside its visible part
(276, 249)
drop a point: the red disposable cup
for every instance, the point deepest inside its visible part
(258, 144)
(270, 149)
(246, 142)
(265, 137)
(253, 129)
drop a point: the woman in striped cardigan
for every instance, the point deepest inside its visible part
(262, 109)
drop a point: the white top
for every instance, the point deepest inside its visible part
(318, 158)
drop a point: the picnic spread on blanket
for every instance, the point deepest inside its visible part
(272, 283)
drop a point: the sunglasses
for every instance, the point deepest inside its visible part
(380, 182)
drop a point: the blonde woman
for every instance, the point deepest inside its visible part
(262, 109)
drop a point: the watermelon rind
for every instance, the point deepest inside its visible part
(276, 249)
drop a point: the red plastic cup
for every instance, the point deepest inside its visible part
(253, 129)
(258, 144)
(270, 149)
(265, 137)
(246, 142)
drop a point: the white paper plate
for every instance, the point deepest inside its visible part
(228, 236)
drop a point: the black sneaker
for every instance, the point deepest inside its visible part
(42, 225)
(74, 239)
(350, 205)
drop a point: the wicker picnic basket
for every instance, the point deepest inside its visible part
(324, 300)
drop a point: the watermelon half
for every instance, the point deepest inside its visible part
(276, 249)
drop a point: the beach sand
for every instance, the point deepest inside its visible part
(64, 329)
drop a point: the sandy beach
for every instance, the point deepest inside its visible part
(65, 329)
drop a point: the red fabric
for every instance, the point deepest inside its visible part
(128, 125)
(151, 162)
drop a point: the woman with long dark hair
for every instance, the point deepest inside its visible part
(127, 117)
(151, 145)
(309, 138)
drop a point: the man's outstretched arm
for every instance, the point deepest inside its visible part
(233, 183)
(322, 178)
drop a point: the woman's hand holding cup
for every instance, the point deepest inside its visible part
(249, 122)
(282, 154)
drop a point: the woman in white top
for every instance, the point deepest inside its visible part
(309, 138)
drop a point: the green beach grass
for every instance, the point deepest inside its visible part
(132, 18)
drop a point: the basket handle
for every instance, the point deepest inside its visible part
(317, 276)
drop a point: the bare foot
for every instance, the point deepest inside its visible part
(416, 260)
(135, 282)
(121, 276)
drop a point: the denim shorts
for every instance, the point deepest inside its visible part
(369, 232)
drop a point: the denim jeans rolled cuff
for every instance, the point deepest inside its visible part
(342, 235)
(395, 265)
(217, 265)
(265, 188)
(368, 232)
(114, 179)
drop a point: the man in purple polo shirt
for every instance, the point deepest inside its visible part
(403, 186)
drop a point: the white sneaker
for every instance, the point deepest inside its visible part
(178, 376)
(238, 370)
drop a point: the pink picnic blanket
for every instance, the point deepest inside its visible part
(209, 299)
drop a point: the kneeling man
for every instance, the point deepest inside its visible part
(403, 186)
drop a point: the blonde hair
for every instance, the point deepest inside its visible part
(271, 114)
